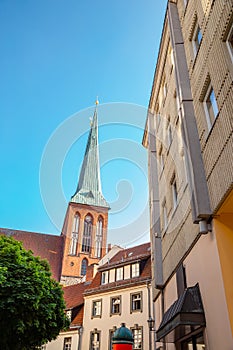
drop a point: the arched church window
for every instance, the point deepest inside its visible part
(99, 237)
(74, 235)
(84, 267)
(86, 241)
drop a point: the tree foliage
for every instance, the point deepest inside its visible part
(31, 302)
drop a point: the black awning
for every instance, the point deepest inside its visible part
(185, 316)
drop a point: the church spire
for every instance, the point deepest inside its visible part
(89, 185)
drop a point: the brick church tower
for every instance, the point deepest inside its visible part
(85, 225)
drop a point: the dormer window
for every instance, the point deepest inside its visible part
(104, 277)
(135, 268)
(69, 314)
(119, 274)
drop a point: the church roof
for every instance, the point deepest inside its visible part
(45, 246)
(89, 185)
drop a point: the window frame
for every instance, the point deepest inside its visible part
(196, 43)
(137, 328)
(209, 107)
(105, 273)
(135, 273)
(165, 214)
(87, 234)
(69, 343)
(111, 305)
(111, 332)
(69, 314)
(93, 315)
(121, 275)
(174, 192)
(132, 310)
(99, 237)
(84, 267)
(93, 333)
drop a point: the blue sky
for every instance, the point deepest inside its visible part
(56, 56)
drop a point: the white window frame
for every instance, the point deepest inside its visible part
(135, 270)
(104, 277)
(97, 308)
(115, 301)
(134, 298)
(119, 274)
(138, 337)
(210, 107)
(67, 343)
(69, 314)
(196, 41)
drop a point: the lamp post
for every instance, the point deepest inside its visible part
(151, 323)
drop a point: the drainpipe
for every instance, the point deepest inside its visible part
(80, 332)
(149, 314)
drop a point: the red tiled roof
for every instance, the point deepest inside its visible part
(78, 319)
(46, 246)
(123, 257)
(128, 255)
(73, 295)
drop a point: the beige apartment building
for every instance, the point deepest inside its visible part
(190, 153)
(119, 293)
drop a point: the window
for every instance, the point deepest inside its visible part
(169, 133)
(135, 268)
(229, 42)
(115, 305)
(136, 302)
(137, 337)
(73, 245)
(197, 37)
(111, 333)
(97, 308)
(95, 340)
(165, 219)
(86, 243)
(119, 274)
(76, 223)
(84, 267)
(161, 159)
(104, 277)
(171, 58)
(99, 237)
(174, 192)
(74, 235)
(67, 343)
(210, 106)
(69, 314)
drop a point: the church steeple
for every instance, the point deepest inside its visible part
(89, 185)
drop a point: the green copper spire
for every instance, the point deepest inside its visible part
(89, 185)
